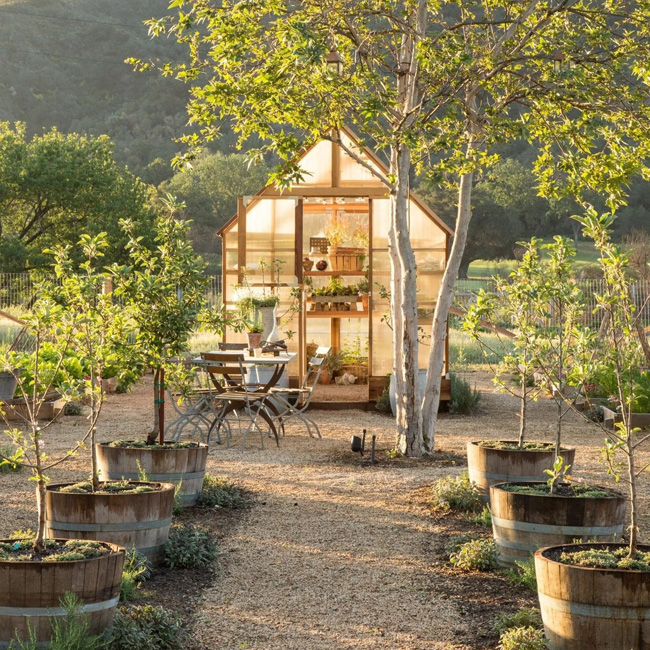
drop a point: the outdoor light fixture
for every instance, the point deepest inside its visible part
(334, 62)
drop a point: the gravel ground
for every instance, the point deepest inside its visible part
(334, 552)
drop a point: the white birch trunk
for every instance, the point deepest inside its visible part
(431, 399)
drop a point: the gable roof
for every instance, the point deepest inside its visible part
(295, 191)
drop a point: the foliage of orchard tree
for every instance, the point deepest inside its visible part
(433, 85)
(621, 352)
(54, 186)
(209, 190)
(511, 304)
(163, 291)
(72, 316)
(102, 328)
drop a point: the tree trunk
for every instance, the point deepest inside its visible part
(404, 303)
(431, 401)
(463, 269)
(153, 434)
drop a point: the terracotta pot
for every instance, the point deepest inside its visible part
(183, 466)
(141, 519)
(254, 339)
(364, 301)
(30, 594)
(325, 377)
(585, 608)
(522, 523)
(488, 466)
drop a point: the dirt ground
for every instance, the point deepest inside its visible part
(334, 553)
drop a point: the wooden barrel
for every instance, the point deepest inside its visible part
(184, 465)
(522, 523)
(30, 594)
(588, 609)
(487, 465)
(136, 519)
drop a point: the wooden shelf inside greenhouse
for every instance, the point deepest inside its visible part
(336, 314)
(330, 273)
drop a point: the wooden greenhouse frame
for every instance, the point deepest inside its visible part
(286, 225)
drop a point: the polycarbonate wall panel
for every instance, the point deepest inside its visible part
(351, 172)
(317, 166)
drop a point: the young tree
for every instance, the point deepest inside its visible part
(430, 84)
(163, 291)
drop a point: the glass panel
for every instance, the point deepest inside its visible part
(317, 166)
(380, 222)
(424, 232)
(352, 173)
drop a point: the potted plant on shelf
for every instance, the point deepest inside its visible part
(36, 572)
(513, 300)
(363, 289)
(597, 594)
(527, 515)
(334, 296)
(103, 508)
(343, 229)
(163, 292)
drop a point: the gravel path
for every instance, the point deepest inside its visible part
(334, 553)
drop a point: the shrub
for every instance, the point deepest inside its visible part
(136, 571)
(595, 413)
(68, 633)
(219, 492)
(177, 507)
(527, 617)
(72, 408)
(464, 398)
(189, 547)
(522, 638)
(483, 518)
(383, 403)
(524, 574)
(456, 493)
(147, 628)
(476, 555)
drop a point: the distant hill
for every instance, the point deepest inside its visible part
(61, 64)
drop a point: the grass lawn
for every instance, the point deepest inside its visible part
(585, 255)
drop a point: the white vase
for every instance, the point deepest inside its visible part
(270, 332)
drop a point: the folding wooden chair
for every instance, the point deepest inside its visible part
(228, 377)
(294, 402)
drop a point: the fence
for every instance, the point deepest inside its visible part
(465, 291)
(18, 290)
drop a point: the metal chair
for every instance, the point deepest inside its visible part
(228, 377)
(294, 402)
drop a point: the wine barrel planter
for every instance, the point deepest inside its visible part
(522, 523)
(30, 594)
(136, 519)
(487, 465)
(184, 465)
(585, 608)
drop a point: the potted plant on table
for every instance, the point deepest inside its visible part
(103, 508)
(525, 514)
(513, 301)
(163, 292)
(254, 331)
(36, 572)
(598, 594)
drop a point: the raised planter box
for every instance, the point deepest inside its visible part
(638, 420)
(16, 409)
(592, 609)
(184, 466)
(137, 519)
(522, 523)
(487, 465)
(30, 594)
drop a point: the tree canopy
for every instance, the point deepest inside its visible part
(54, 186)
